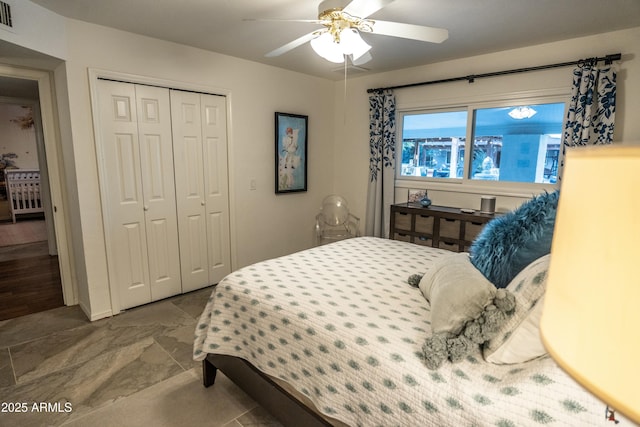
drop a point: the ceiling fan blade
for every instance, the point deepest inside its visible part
(364, 8)
(309, 21)
(410, 31)
(292, 45)
(362, 59)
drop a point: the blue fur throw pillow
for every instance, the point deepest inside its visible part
(508, 243)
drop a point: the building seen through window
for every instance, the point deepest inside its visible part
(518, 143)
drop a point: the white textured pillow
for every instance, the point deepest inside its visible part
(457, 292)
(518, 340)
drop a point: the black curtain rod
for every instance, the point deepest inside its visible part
(607, 59)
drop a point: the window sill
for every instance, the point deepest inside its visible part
(515, 189)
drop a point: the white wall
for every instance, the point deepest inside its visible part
(16, 140)
(351, 139)
(34, 27)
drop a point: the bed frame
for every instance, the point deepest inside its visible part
(23, 191)
(284, 406)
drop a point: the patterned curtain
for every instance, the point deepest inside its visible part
(382, 162)
(592, 110)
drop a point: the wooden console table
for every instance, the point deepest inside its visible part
(437, 226)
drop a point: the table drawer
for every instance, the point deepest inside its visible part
(424, 224)
(450, 228)
(401, 236)
(422, 240)
(454, 247)
(472, 229)
(402, 221)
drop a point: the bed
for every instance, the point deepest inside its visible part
(23, 192)
(334, 335)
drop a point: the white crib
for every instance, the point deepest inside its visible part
(23, 191)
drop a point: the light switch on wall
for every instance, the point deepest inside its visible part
(252, 184)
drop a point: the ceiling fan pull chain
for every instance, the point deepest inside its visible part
(344, 100)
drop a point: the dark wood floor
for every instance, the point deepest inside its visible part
(29, 285)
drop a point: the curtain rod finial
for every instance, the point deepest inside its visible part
(608, 60)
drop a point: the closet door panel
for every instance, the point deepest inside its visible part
(197, 258)
(217, 251)
(190, 189)
(126, 235)
(153, 168)
(192, 155)
(156, 159)
(161, 252)
(214, 130)
(126, 170)
(134, 259)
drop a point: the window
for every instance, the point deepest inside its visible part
(433, 144)
(517, 144)
(513, 143)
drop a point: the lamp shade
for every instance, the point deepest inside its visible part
(326, 47)
(352, 44)
(591, 318)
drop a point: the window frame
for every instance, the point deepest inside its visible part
(467, 184)
(400, 121)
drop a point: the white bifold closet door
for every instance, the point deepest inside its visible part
(138, 167)
(201, 176)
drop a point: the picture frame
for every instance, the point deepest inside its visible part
(414, 195)
(291, 152)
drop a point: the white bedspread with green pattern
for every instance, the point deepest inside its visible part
(341, 325)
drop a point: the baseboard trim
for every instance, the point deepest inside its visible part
(94, 316)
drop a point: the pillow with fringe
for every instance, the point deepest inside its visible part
(456, 292)
(466, 309)
(518, 339)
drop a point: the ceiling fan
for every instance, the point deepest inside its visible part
(343, 20)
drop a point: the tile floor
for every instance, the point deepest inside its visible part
(132, 369)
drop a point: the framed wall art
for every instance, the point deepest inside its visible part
(291, 152)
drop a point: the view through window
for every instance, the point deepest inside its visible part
(518, 143)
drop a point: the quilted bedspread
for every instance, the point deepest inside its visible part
(341, 324)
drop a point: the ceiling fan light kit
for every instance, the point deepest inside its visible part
(353, 44)
(335, 47)
(343, 20)
(323, 45)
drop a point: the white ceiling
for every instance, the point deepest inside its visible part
(475, 26)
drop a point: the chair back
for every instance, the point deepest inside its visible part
(335, 210)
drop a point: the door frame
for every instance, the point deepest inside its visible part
(53, 153)
(94, 75)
